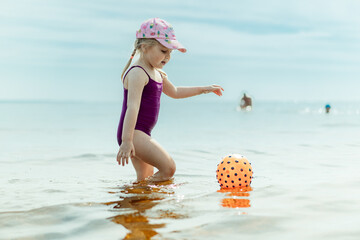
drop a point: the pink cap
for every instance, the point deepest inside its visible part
(162, 31)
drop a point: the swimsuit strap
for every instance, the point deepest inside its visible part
(161, 74)
(138, 67)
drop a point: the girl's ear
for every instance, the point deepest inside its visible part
(143, 48)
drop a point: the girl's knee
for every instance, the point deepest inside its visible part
(169, 171)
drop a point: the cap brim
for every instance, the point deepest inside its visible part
(172, 44)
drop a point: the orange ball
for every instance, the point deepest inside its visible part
(234, 171)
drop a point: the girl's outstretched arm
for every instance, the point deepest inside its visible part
(135, 82)
(185, 92)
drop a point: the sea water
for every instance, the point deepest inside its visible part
(60, 180)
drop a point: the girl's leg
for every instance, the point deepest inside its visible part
(143, 170)
(149, 152)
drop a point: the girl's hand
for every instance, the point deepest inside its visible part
(214, 88)
(126, 150)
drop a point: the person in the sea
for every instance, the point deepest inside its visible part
(327, 108)
(245, 102)
(144, 82)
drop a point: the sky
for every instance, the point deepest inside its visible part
(75, 50)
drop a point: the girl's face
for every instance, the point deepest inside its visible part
(157, 56)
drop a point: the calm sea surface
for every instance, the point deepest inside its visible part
(59, 178)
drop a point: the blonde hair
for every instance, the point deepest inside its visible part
(147, 42)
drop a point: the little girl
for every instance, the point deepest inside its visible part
(143, 84)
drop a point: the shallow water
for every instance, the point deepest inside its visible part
(59, 178)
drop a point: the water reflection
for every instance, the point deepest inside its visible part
(136, 202)
(235, 201)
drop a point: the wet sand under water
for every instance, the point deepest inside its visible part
(141, 197)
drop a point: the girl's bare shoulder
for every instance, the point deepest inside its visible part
(136, 75)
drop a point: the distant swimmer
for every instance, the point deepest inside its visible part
(327, 108)
(246, 103)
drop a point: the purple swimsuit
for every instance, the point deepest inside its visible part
(149, 107)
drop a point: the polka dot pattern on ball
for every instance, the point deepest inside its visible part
(236, 170)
